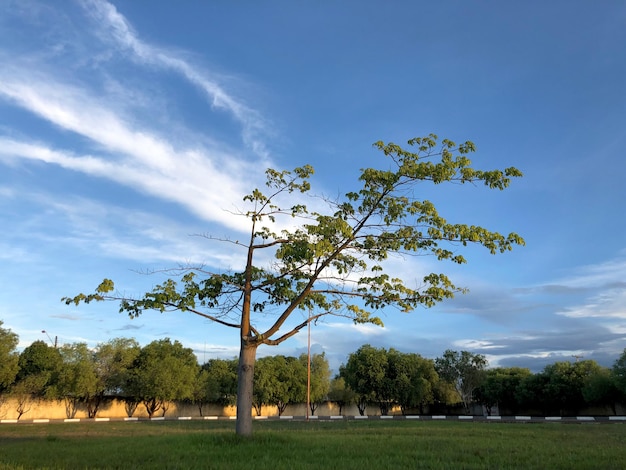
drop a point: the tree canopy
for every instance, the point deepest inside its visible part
(163, 371)
(331, 261)
(8, 357)
(464, 370)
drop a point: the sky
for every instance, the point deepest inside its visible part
(130, 132)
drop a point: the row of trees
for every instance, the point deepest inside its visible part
(390, 378)
(154, 376)
(163, 372)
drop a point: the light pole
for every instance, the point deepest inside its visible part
(54, 343)
(308, 368)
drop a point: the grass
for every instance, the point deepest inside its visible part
(301, 445)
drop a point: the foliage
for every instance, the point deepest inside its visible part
(464, 370)
(162, 372)
(390, 378)
(113, 361)
(279, 381)
(44, 362)
(566, 381)
(365, 372)
(413, 379)
(320, 379)
(619, 373)
(600, 389)
(221, 381)
(27, 390)
(500, 387)
(77, 381)
(333, 262)
(8, 357)
(199, 391)
(340, 393)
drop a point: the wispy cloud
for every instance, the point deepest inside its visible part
(114, 27)
(119, 232)
(120, 129)
(206, 181)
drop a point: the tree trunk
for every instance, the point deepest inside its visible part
(245, 382)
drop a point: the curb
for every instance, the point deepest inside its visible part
(461, 418)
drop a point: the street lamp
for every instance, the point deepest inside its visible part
(308, 368)
(54, 343)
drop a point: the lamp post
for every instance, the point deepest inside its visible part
(308, 368)
(54, 343)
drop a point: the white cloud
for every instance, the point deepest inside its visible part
(114, 26)
(206, 181)
(609, 303)
(597, 275)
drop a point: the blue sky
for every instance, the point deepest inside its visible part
(127, 128)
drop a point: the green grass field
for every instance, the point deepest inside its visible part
(301, 445)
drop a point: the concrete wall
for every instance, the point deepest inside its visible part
(55, 409)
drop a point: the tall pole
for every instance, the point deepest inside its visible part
(56, 338)
(308, 368)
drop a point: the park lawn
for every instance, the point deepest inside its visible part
(311, 445)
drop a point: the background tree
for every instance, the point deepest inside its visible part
(8, 358)
(43, 362)
(600, 389)
(320, 379)
(500, 388)
(464, 370)
(221, 381)
(340, 393)
(333, 262)
(413, 379)
(162, 372)
(365, 372)
(531, 394)
(565, 382)
(26, 391)
(264, 382)
(290, 382)
(200, 390)
(444, 396)
(619, 373)
(77, 380)
(113, 361)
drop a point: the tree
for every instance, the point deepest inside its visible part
(600, 389)
(464, 370)
(200, 390)
(320, 379)
(8, 358)
(413, 378)
(530, 393)
(619, 373)
(26, 390)
(500, 388)
(340, 393)
(333, 261)
(284, 381)
(162, 372)
(565, 382)
(221, 381)
(78, 381)
(264, 382)
(113, 361)
(365, 372)
(42, 361)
